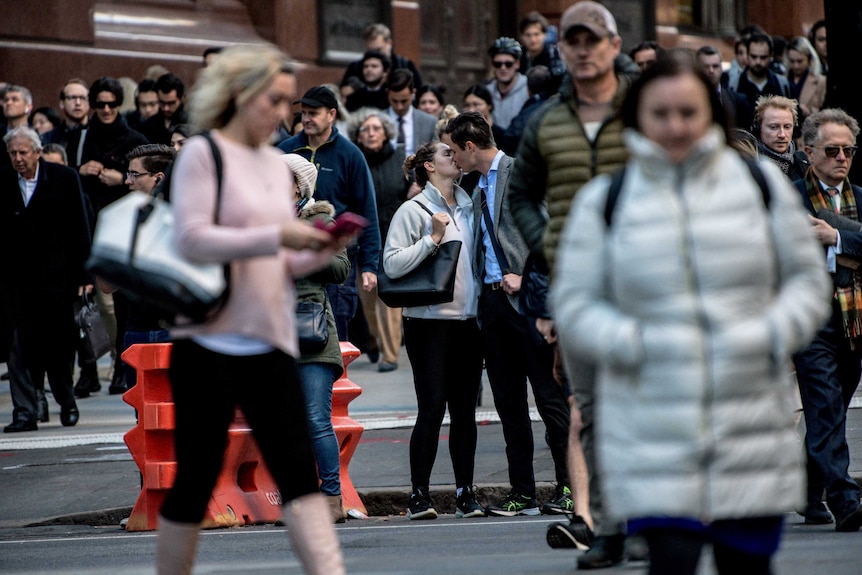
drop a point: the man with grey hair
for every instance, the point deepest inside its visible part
(44, 227)
(828, 370)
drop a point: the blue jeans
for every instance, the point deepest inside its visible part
(316, 380)
(130, 338)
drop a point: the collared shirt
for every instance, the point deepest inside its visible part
(27, 187)
(406, 127)
(493, 272)
(833, 251)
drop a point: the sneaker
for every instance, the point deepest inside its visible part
(514, 504)
(815, 513)
(420, 505)
(561, 502)
(571, 534)
(466, 504)
(606, 551)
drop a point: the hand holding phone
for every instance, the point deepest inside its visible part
(346, 224)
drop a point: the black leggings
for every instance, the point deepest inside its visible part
(447, 369)
(207, 386)
(677, 552)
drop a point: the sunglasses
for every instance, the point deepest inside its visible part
(111, 105)
(832, 151)
(503, 63)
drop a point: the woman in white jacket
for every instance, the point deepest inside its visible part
(441, 339)
(690, 295)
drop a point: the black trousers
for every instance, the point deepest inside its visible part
(447, 369)
(512, 357)
(677, 552)
(828, 373)
(207, 386)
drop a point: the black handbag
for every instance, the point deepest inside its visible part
(91, 327)
(431, 282)
(134, 249)
(311, 326)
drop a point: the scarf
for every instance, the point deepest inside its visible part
(783, 161)
(849, 297)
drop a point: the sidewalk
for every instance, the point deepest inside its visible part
(85, 474)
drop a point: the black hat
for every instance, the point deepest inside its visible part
(319, 97)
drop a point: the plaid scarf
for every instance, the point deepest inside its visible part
(850, 297)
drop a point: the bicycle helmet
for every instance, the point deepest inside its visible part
(505, 45)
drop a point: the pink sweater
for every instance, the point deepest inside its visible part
(257, 198)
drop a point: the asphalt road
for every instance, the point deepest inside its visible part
(379, 546)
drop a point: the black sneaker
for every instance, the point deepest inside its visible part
(572, 534)
(815, 513)
(606, 551)
(561, 502)
(420, 505)
(514, 504)
(466, 504)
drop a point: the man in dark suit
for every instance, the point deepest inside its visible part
(513, 353)
(45, 233)
(828, 370)
(415, 127)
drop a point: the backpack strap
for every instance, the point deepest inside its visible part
(614, 194)
(758, 176)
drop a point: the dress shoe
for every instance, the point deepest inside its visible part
(386, 366)
(88, 382)
(606, 551)
(42, 407)
(815, 513)
(118, 383)
(373, 354)
(21, 425)
(69, 417)
(5, 377)
(852, 521)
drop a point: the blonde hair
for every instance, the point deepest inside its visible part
(772, 101)
(231, 80)
(449, 112)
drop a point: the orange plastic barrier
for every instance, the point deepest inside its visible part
(245, 492)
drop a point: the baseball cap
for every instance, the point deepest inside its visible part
(319, 97)
(590, 15)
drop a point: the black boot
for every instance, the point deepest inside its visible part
(606, 551)
(41, 406)
(118, 380)
(88, 381)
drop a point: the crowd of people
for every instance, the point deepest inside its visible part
(655, 242)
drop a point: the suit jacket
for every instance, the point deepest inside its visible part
(505, 230)
(46, 242)
(424, 127)
(851, 241)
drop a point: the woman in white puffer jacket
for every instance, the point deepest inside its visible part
(690, 302)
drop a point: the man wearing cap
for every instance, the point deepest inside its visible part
(344, 180)
(565, 144)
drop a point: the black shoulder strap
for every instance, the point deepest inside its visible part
(619, 176)
(758, 176)
(614, 194)
(424, 207)
(219, 174)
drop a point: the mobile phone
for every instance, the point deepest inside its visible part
(345, 224)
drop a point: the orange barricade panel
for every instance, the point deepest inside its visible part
(245, 492)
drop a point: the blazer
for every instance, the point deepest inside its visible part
(46, 242)
(851, 241)
(424, 127)
(506, 231)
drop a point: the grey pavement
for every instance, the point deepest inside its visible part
(85, 474)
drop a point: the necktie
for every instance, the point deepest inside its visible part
(833, 198)
(401, 132)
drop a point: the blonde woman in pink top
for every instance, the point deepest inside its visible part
(245, 356)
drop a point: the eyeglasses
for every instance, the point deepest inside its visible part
(832, 151)
(75, 98)
(111, 105)
(503, 63)
(134, 175)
